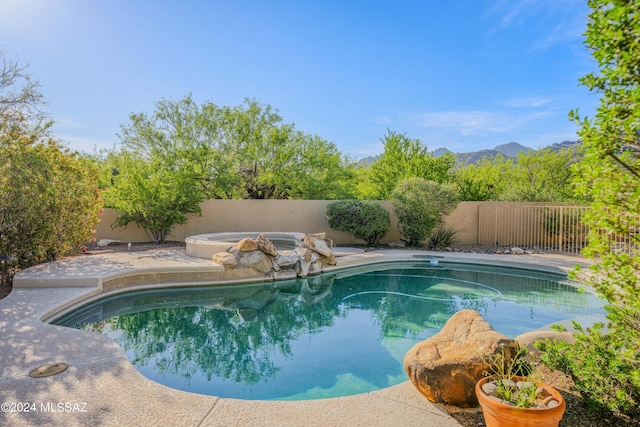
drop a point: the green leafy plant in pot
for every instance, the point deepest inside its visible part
(512, 395)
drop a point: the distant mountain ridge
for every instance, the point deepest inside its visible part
(511, 149)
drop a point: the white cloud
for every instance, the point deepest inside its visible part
(472, 123)
(528, 102)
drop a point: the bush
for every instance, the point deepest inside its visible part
(420, 206)
(49, 200)
(604, 364)
(151, 195)
(365, 220)
(442, 237)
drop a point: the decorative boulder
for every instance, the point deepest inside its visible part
(247, 245)
(286, 259)
(257, 260)
(446, 367)
(106, 242)
(225, 259)
(266, 245)
(318, 244)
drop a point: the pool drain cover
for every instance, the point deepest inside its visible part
(48, 370)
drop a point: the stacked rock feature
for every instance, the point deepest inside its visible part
(261, 255)
(446, 367)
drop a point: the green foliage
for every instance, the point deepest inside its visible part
(604, 364)
(480, 182)
(442, 237)
(405, 158)
(504, 367)
(365, 220)
(151, 194)
(49, 202)
(420, 206)
(239, 152)
(605, 361)
(535, 176)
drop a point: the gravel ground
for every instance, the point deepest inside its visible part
(576, 414)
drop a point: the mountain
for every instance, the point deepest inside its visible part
(512, 149)
(564, 145)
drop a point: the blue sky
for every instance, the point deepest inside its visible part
(460, 74)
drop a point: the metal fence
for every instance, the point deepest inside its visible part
(556, 229)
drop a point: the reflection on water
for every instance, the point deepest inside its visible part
(323, 336)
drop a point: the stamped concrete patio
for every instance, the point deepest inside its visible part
(102, 388)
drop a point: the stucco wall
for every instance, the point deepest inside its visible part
(485, 223)
(304, 216)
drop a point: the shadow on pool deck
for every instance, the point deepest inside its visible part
(102, 388)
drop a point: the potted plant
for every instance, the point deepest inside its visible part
(512, 395)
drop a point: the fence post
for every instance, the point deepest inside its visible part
(561, 231)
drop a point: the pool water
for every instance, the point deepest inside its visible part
(325, 336)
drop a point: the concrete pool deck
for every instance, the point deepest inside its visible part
(102, 388)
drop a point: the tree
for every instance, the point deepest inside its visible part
(151, 194)
(534, 176)
(20, 100)
(606, 365)
(49, 201)
(405, 158)
(244, 151)
(482, 181)
(541, 176)
(420, 206)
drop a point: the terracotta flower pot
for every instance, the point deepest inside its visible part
(498, 414)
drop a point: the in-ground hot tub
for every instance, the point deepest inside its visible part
(205, 245)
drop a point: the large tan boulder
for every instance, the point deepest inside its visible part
(446, 367)
(225, 259)
(247, 245)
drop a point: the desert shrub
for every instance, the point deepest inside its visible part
(148, 193)
(420, 206)
(442, 237)
(604, 362)
(365, 220)
(49, 200)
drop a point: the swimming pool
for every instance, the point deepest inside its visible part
(331, 335)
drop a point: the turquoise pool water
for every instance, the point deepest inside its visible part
(325, 336)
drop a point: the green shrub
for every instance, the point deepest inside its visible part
(420, 206)
(49, 200)
(442, 237)
(365, 220)
(152, 195)
(604, 362)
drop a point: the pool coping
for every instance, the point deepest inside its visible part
(101, 387)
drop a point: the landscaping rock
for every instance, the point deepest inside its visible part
(225, 259)
(317, 244)
(247, 245)
(286, 259)
(257, 260)
(106, 242)
(517, 251)
(266, 245)
(446, 367)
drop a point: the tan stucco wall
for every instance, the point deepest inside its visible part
(304, 216)
(475, 222)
